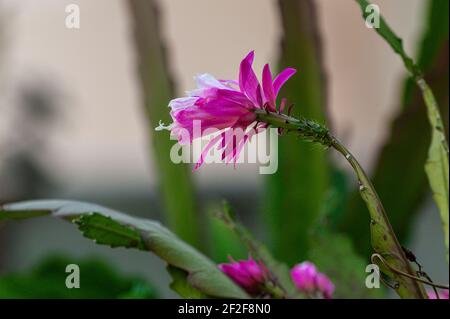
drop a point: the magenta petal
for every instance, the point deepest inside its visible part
(238, 274)
(304, 276)
(235, 97)
(206, 150)
(268, 87)
(325, 285)
(248, 82)
(241, 144)
(259, 97)
(249, 57)
(254, 270)
(231, 140)
(282, 78)
(248, 274)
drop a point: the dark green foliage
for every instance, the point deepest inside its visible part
(223, 242)
(97, 280)
(335, 256)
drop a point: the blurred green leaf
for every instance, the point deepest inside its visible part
(436, 165)
(97, 280)
(109, 227)
(335, 256)
(335, 202)
(157, 90)
(400, 162)
(295, 192)
(181, 286)
(223, 242)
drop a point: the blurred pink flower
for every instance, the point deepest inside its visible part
(226, 105)
(443, 294)
(309, 280)
(304, 276)
(248, 274)
(324, 285)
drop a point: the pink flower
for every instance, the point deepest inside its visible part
(325, 286)
(304, 276)
(248, 274)
(226, 105)
(443, 294)
(309, 280)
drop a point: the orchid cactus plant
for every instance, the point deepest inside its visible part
(234, 111)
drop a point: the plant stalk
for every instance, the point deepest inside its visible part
(384, 241)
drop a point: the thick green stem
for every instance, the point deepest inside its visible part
(384, 240)
(175, 183)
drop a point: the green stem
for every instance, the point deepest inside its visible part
(174, 181)
(436, 166)
(384, 240)
(274, 291)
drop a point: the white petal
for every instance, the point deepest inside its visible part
(206, 80)
(182, 102)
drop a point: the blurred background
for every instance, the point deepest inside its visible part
(78, 109)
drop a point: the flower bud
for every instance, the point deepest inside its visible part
(304, 276)
(324, 285)
(248, 274)
(309, 280)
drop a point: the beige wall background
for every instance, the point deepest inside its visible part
(102, 140)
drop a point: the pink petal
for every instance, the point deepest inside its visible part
(210, 118)
(259, 98)
(206, 150)
(235, 97)
(325, 285)
(182, 102)
(237, 151)
(231, 140)
(206, 80)
(304, 276)
(248, 82)
(268, 87)
(282, 78)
